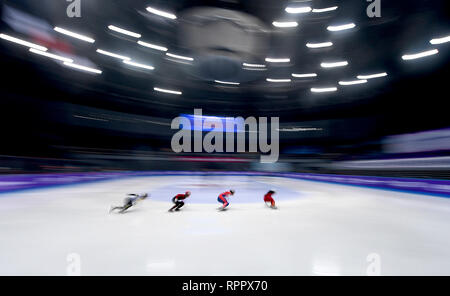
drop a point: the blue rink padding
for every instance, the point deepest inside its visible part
(10, 183)
(206, 189)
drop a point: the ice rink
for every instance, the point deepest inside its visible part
(319, 229)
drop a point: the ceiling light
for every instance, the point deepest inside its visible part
(157, 47)
(179, 57)
(139, 65)
(285, 24)
(371, 76)
(84, 68)
(22, 42)
(50, 55)
(161, 13)
(324, 89)
(320, 10)
(104, 52)
(440, 40)
(304, 9)
(168, 91)
(123, 31)
(334, 65)
(282, 60)
(353, 82)
(341, 27)
(278, 80)
(419, 55)
(227, 82)
(307, 75)
(319, 45)
(253, 65)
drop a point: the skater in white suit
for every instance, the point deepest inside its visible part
(130, 200)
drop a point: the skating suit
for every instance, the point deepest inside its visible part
(179, 197)
(132, 199)
(268, 198)
(223, 198)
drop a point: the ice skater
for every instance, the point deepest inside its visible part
(178, 201)
(268, 199)
(130, 200)
(223, 199)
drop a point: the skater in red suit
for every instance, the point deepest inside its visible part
(268, 199)
(223, 198)
(178, 201)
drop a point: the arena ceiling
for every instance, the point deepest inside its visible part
(298, 60)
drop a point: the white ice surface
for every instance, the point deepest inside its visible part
(319, 229)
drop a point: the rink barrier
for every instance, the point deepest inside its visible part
(10, 183)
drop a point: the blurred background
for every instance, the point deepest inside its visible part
(93, 85)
